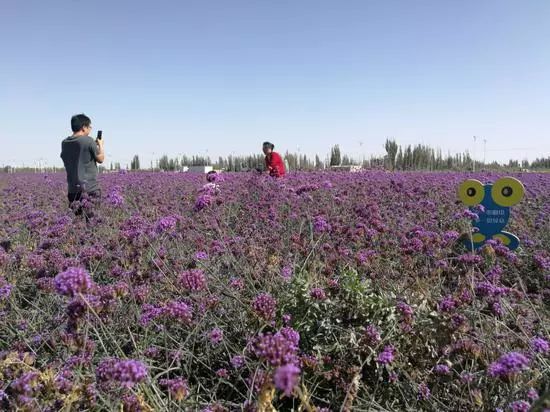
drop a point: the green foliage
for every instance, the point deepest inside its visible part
(335, 156)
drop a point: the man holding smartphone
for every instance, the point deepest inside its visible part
(80, 154)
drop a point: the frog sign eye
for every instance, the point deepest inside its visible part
(471, 192)
(507, 191)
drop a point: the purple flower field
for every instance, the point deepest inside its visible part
(316, 292)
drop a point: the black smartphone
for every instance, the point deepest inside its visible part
(99, 134)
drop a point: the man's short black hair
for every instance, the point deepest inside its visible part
(269, 144)
(78, 121)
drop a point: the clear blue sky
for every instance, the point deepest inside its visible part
(219, 77)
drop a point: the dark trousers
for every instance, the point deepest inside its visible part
(93, 197)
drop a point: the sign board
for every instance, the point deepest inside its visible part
(496, 200)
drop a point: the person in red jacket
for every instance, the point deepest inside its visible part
(273, 161)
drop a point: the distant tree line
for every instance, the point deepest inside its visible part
(408, 158)
(423, 157)
(234, 163)
(542, 163)
(397, 157)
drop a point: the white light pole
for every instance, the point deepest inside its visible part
(484, 150)
(474, 155)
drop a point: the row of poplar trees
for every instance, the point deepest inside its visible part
(410, 157)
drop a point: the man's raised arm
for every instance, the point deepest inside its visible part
(100, 156)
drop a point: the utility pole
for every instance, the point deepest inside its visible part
(474, 156)
(484, 150)
(362, 153)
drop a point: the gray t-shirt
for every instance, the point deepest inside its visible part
(79, 157)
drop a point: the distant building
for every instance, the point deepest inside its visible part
(199, 169)
(350, 168)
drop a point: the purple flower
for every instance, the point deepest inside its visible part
(442, 369)
(279, 348)
(520, 406)
(532, 394)
(494, 274)
(177, 387)
(450, 237)
(114, 197)
(406, 312)
(466, 377)
(508, 364)
(333, 284)
(72, 281)
(264, 305)
(457, 320)
(237, 361)
(318, 294)
(201, 255)
(26, 384)
(413, 245)
(496, 308)
(306, 188)
(64, 381)
(468, 214)
(423, 392)
(152, 352)
(176, 310)
(489, 289)
(149, 313)
(469, 258)
(446, 304)
(291, 335)
(193, 279)
(134, 227)
(364, 255)
(542, 261)
(236, 283)
(179, 311)
(222, 373)
(125, 372)
(387, 355)
(35, 262)
(5, 289)
(465, 296)
(345, 251)
(204, 200)
(286, 273)
(479, 208)
(372, 334)
(216, 336)
(166, 224)
(286, 378)
(320, 224)
(540, 345)
(215, 407)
